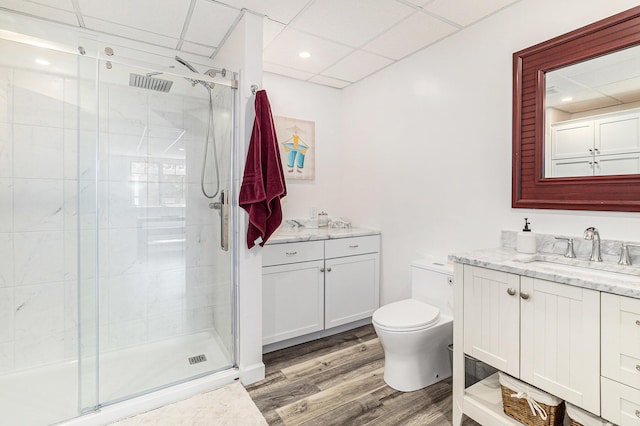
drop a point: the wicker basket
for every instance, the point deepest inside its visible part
(579, 417)
(519, 408)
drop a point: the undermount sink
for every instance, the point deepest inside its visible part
(576, 266)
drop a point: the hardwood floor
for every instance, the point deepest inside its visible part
(338, 380)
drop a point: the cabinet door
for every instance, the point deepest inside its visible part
(560, 342)
(292, 300)
(622, 164)
(618, 133)
(621, 339)
(352, 288)
(572, 139)
(568, 167)
(492, 318)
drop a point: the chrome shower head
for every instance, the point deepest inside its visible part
(151, 83)
(208, 86)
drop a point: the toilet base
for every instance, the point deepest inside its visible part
(417, 359)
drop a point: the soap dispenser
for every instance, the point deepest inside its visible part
(526, 240)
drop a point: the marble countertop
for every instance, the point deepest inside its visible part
(292, 235)
(608, 277)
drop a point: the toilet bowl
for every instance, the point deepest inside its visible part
(416, 332)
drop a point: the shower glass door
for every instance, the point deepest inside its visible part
(164, 311)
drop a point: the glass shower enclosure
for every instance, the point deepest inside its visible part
(116, 262)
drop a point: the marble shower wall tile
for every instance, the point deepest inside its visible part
(39, 324)
(38, 152)
(38, 99)
(6, 149)
(38, 257)
(6, 260)
(38, 205)
(6, 205)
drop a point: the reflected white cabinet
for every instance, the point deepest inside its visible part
(318, 285)
(606, 144)
(542, 332)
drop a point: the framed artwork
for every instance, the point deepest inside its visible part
(296, 140)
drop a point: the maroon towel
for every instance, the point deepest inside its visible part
(263, 181)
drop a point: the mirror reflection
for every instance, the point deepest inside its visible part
(592, 117)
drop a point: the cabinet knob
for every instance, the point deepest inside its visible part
(329, 269)
(511, 291)
(321, 269)
(638, 367)
(637, 413)
(354, 246)
(291, 253)
(524, 295)
(637, 322)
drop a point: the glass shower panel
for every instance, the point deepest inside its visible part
(39, 115)
(164, 282)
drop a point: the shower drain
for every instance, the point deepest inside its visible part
(197, 359)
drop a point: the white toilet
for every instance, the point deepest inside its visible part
(415, 333)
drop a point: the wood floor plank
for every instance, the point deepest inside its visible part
(312, 406)
(356, 353)
(333, 383)
(280, 359)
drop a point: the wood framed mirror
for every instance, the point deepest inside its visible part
(545, 172)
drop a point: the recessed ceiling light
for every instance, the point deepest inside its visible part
(180, 149)
(42, 61)
(567, 99)
(304, 55)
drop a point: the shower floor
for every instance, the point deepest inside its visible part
(49, 394)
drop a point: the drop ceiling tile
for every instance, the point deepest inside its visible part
(165, 17)
(356, 66)
(41, 11)
(198, 49)
(352, 22)
(328, 81)
(60, 4)
(271, 29)
(131, 33)
(282, 11)
(285, 48)
(465, 12)
(412, 34)
(210, 22)
(289, 72)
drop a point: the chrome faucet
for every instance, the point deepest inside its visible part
(592, 234)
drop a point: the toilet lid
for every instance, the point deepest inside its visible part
(406, 315)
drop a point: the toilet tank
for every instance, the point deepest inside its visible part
(432, 283)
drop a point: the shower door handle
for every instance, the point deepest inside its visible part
(224, 221)
(223, 207)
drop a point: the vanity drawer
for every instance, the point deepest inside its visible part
(342, 247)
(620, 338)
(280, 254)
(620, 403)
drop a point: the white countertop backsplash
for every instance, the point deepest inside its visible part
(625, 282)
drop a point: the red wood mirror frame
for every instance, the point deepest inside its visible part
(529, 188)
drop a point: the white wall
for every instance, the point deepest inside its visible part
(321, 104)
(433, 134)
(422, 149)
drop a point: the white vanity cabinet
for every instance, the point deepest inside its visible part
(318, 285)
(541, 332)
(621, 359)
(292, 290)
(352, 279)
